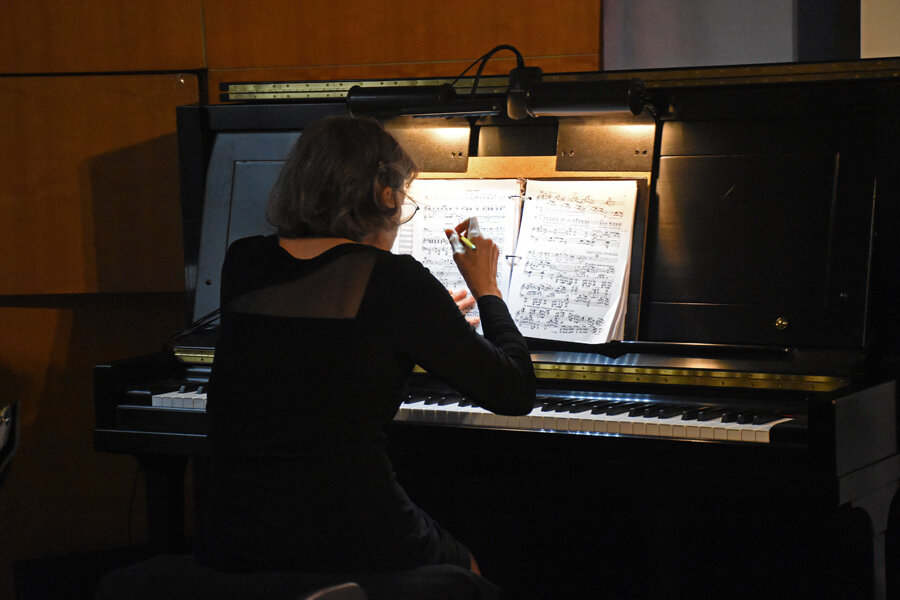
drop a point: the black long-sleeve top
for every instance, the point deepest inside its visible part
(310, 368)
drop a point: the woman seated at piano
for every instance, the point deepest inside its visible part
(321, 326)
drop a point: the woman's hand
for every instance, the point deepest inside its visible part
(478, 266)
(465, 303)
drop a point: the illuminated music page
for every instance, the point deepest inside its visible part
(569, 280)
(443, 204)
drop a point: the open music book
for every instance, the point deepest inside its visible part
(565, 248)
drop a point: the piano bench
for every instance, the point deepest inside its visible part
(177, 577)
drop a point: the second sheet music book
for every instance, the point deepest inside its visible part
(565, 248)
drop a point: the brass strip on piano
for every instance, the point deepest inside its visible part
(195, 356)
(692, 377)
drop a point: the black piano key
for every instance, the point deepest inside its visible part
(431, 400)
(763, 418)
(746, 416)
(449, 399)
(692, 413)
(617, 408)
(730, 416)
(599, 407)
(567, 405)
(708, 414)
(667, 412)
(653, 412)
(579, 408)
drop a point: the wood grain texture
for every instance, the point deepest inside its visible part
(67, 36)
(90, 197)
(286, 33)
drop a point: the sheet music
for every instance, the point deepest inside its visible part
(569, 282)
(444, 203)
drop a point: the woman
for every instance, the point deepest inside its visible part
(321, 326)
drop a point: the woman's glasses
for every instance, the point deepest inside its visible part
(407, 209)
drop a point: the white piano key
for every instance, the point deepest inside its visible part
(692, 430)
(708, 430)
(638, 426)
(659, 427)
(761, 432)
(592, 423)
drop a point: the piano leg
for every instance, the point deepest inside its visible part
(877, 506)
(165, 502)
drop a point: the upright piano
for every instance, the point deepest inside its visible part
(740, 442)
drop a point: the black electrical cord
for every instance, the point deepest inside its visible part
(520, 62)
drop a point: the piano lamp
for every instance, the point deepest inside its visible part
(418, 101)
(527, 95)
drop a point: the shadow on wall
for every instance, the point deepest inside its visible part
(132, 218)
(63, 502)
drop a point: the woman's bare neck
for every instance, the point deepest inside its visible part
(305, 248)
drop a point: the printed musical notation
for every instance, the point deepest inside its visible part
(574, 245)
(444, 203)
(570, 240)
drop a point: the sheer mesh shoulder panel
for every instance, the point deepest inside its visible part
(333, 291)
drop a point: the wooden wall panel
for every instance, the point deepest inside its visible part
(286, 33)
(65, 36)
(283, 40)
(90, 197)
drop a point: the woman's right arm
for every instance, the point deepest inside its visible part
(493, 370)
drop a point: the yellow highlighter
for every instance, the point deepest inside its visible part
(467, 242)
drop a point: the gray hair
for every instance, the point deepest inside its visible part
(330, 184)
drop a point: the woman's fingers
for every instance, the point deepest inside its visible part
(455, 243)
(464, 301)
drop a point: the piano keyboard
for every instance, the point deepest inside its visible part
(571, 414)
(586, 415)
